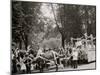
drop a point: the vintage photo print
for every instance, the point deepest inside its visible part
(52, 37)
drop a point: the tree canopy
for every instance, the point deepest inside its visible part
(35, 22)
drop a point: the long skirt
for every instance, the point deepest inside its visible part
(23, 66)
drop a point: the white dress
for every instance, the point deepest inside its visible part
(23, 66)
(32, 67)
(75, 55)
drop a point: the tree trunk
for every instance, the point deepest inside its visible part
(26, 41)
(63, 39)
(20, 44)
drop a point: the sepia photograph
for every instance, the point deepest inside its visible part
(52, 37)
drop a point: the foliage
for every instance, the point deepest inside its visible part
(31, 26)
(25, 21)
(72, 18)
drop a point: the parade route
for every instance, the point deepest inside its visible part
(49, 37)
(80, 67)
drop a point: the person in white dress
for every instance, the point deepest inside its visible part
(23, 66)
(75, 57)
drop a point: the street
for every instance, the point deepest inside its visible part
(80, 67)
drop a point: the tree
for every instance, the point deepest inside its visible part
(88, 17)
(70, 20)
(68, 17)
(25, 21)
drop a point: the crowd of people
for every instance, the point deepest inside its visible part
(27, 61)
